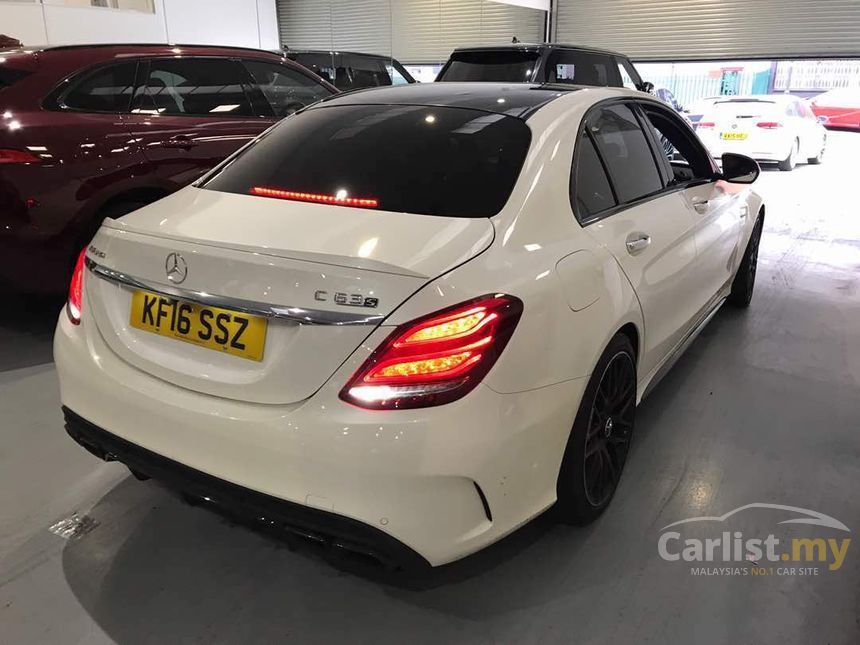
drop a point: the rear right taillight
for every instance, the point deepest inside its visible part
(74, 305)
(705, 124)
(768, 125)
(8, 155)
(435, 359)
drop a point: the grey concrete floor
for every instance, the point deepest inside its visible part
(764, 407)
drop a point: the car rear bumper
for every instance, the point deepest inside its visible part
(438, 482)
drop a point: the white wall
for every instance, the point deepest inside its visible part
(245, 23)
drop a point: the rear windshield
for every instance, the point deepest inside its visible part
(454, 162)
(501, 66)
(8, 76)
(745, 107)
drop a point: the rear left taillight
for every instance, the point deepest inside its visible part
(705, 124)
(769, 125)
(74, 305)
(435, 359)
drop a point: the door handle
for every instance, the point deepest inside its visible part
(701, 206)
(179, 141)
(637, 243)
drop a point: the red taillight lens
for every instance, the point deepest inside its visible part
(74, 305)
(315, 198)
(705, 124)
(769, 125)
(435, 359)
(17, 156)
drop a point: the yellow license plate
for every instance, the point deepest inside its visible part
(734, 136)
(220, 329)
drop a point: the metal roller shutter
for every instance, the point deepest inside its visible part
(713, 29)
(414, 31)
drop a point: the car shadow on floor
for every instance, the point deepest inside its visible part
(27, 330)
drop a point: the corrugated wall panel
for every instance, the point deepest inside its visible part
(414, 31)
(713, 29)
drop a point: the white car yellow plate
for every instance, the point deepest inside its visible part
(223, 330)
(734, 136)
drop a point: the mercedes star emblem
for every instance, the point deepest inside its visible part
(176, 268)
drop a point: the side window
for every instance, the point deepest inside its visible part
(108, 89)
(590, 187)
(582, 68)
(687, 158)
(323, 65)
(396, 77)
(364, 71)
(194, 87)
(626, 152)
(626, 80)
(285, 89)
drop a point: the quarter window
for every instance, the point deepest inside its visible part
(194, 87)
(688, 160)
(285, 89)
(591, 189)
(625, 150)
(108, 89)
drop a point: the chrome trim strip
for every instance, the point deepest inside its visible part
(283, 312)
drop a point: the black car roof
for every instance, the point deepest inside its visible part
(513, 99)
(289, 51)
(537, 47)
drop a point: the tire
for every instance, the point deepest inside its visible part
(744, 282)
(600, 438)
(790, 161)
(817, 160)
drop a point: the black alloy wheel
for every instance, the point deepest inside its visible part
(744, 282)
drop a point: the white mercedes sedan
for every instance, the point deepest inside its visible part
(405, 321)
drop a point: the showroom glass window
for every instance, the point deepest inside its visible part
(108, 89)
(626, 152)
(195, 87)
(286, 90)
(591, 189)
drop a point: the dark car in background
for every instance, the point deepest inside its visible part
(543, 63)
(89, 132)
(352, 70)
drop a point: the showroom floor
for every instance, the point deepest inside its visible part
(764, 407)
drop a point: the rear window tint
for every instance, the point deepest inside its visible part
(501, 66)
(453, 162)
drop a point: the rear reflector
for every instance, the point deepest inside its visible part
(769, 125)
(74, 305)
(436, 359)
(335, 200)
(17, 156)
(705, 124)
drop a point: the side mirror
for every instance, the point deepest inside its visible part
(739, 169)
(646, 86)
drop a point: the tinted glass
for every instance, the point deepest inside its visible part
(429, 160)
(502, 66)
(688, 158)
(582, 68)
(194, 87)
(396, 77)
(362, 71)
(591, 189)
(285, 89)
(320, 64)
(107, 90)
(625, 150)
(626, 80)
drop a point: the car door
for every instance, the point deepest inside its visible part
(715, 207)
(189, 113)
(621, 197)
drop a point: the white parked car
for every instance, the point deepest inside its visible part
(773, 128)
(407, 320)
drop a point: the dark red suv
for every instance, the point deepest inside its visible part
(89, 132)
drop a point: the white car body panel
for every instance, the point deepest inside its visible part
(280, 428)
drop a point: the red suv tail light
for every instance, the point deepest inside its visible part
(74, 305)
(435, 359)
(17, 156)
(769, 125)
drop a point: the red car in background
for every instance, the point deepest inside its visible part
(89, 132)
(839, 108)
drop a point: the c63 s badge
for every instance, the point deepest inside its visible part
(346, 299)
